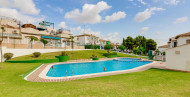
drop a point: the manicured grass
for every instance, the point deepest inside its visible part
(150, 83)
(75, 55)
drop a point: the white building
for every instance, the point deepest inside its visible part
(179, 40)
(102, 43)
(178, 55)
(88, 39)
(163, 48)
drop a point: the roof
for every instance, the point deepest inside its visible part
(163, 46)
(102, 40)
(28, 26)
(182, 35)
(87, 35)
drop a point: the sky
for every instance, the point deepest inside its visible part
(109, 19)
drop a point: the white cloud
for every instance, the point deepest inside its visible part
(89, 14)
(115, 16)
(172, 2)
(56, 9)
(146, 14)
(79, 30)
(13, 13)
(25, 6)
(142, 2)
(169, 2)
(62, 25)
(181, 20)
(113, 37)
(144, 29)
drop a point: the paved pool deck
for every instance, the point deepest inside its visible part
(35, 75)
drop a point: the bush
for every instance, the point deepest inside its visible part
(122, 47)
(135, 50)
(36, 54)
(164, 53)
(92, 47)
(64, 54)
(8, 56)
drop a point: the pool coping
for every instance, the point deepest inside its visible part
(42, 70)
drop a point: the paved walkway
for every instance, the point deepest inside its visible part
(34, 77)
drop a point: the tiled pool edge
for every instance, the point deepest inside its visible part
(38, 76)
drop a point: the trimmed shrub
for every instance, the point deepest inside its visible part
(36, 54)
(92, 47)
(164, 53)
(8, 56)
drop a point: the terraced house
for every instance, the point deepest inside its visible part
(179, 40)
(19, 35)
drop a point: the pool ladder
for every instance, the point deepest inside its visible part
(71, 73)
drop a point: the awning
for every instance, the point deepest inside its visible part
(50, 37)
(39, 28)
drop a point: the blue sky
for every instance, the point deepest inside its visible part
(109, 19)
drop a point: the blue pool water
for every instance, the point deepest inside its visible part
(73, 69)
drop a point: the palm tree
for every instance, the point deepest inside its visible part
(32, 38)
(72, 37)
(14, 32)
(1, 41)
(44, 42)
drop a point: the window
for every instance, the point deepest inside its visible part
(188, 41)
(68, 43)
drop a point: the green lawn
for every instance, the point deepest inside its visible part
(150, 83)
(73, 56)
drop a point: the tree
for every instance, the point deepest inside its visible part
(124, 42)
(143, 42)
(142, 50)
(138, 41)
(32, 38)
(122, 47)
(151, 44)
(72, 37)
(135, 50)
(129, 42)
(108, 47)
(44, 42)
(1, 41)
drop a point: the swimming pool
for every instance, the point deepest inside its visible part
(73, 69)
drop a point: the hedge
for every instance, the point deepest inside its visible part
(110, 55)
(34, 61)
(92, 47)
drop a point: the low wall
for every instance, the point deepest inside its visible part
(19, 46)
(178, 58)
(160, 57)
(21, 52)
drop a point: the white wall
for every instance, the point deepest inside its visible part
(21, 52)
(178, 58)
(82, 40)
(182, 40)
